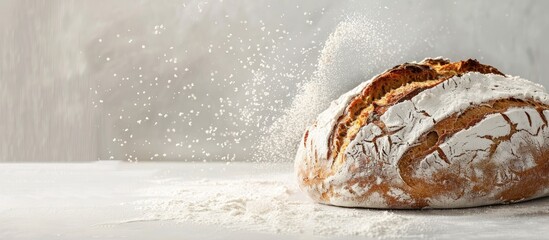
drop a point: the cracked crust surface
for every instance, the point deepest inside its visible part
(416, 136)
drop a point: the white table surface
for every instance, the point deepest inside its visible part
(108, 200)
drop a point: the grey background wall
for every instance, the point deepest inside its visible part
(206, 80)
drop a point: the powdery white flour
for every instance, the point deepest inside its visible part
(268, 203)
(357, 49)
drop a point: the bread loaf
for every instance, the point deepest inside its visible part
(433, 134)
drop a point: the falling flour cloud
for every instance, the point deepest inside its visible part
(358, 48)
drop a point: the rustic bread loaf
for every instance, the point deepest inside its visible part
(430, 134)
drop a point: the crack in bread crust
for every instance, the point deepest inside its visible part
(473, 139)
(429, 143)
(400, 83)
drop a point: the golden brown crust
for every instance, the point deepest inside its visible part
(426, 172)
(400, 83)
(448, 180)
(532, 180)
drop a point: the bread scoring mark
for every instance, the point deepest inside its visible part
(529, 118)
(367, 168)
(416, 122)
(446, 128)
(399, 84)
(496, 157)
(440, 103)
(362, 104)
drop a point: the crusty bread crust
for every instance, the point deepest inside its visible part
(399, 83)
(369, 164)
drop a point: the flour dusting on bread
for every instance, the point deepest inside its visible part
(430, 134)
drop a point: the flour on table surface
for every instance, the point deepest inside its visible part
(273, 203)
